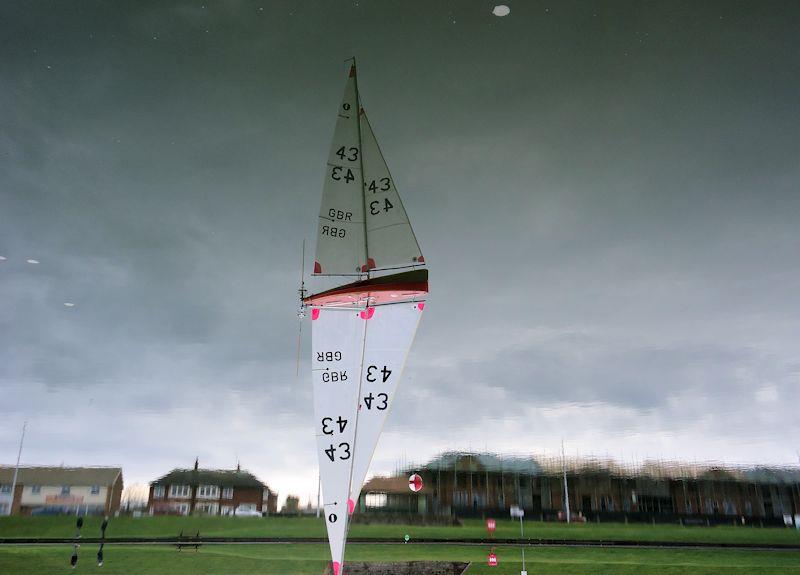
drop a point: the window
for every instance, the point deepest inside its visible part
(208, 491)
(226, 510)
(376, 500)
(65, 490)
(227, 493)
(36, 488)
(179, 491)
(5, 488)
(206, 508)
(95, 489)
(158, 492)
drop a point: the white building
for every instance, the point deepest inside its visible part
(59, 490)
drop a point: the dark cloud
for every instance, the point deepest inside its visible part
(607, 196)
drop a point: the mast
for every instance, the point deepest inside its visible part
(350, 502)
(16, 468)
(564, 470)
(361, 167)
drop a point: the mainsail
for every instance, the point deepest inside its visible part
(362, 330)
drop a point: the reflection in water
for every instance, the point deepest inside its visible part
(590, 489)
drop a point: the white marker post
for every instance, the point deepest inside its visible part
(519, 512)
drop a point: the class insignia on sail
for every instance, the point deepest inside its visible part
(363, 327)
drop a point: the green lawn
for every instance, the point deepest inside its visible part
(64, 526)
(300, 559)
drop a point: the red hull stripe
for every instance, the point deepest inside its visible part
(388, 293)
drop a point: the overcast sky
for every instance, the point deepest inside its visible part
(607, 194)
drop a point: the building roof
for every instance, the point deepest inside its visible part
(381, 484)
(223, 477)
(648, 469)
(61, 475)
(484, 462)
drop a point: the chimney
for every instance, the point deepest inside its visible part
(196, 463)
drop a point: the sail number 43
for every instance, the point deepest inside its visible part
(379, 402)
(344, 451)
(372, 372)
(375, 206)
(340, 422)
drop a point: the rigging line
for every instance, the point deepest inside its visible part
(301, 312)
(299, 344)
(333, 220)
(389, 226)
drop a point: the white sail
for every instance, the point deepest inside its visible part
(337, 352)
(341, 249)
(390, 332)
(390, 239)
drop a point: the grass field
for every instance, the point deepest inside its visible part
(64, 526)
(302, 559)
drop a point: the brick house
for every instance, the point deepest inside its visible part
(210, 492)
(60, 490)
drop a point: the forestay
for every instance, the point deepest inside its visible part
(390, 332)
(337, 348)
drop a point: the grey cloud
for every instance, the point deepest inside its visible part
(608, 205)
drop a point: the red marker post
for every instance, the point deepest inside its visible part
(492, 560)
(491, 525)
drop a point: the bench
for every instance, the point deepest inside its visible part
(188, 541)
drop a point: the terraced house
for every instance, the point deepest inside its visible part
(60, 490)
(210, 492)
